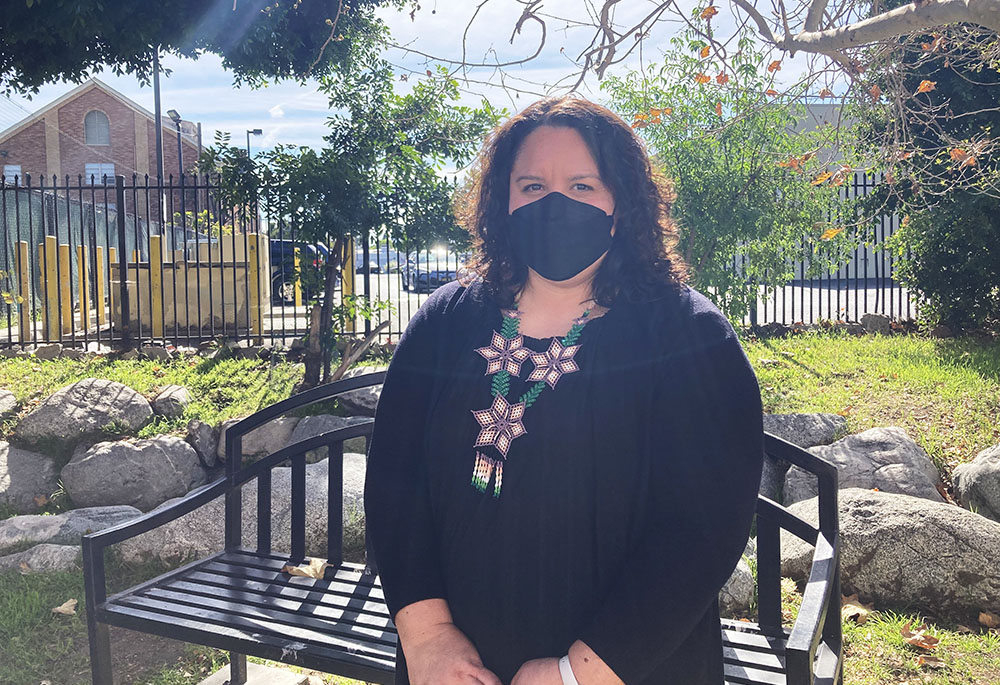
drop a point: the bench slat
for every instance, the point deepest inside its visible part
(169, 610)
(249, 573)
(738, 674)
(250, 641)
(346, 615)
(347, 570)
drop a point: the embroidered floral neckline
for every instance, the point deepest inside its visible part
(502, 423)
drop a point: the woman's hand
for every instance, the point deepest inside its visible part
(538, 672)
(445, 656)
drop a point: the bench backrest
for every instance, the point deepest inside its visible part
(333, 441)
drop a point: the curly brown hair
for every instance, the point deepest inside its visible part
(642, 261)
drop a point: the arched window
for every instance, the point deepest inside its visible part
(97, 129)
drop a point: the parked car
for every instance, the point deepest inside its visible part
(283, 268)
(373, 266)
(429, 272)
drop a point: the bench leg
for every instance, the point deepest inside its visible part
(100, 655)
(237, 668)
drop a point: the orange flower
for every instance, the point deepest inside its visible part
(701, 79)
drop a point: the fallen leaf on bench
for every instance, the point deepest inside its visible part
(919, 638)
(67, 608)
(989, 620)
(314, 569)
(854, 609)
(928, 660)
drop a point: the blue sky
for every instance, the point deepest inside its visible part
(288, 113)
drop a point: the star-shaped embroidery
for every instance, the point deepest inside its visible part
(505, 353)
(552, 364)
(501, 423)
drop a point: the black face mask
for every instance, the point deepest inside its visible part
(558, 236)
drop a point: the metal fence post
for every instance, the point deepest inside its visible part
(123, 262)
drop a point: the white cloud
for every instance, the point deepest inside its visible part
(276, 112)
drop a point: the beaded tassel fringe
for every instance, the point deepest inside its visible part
(482, 471)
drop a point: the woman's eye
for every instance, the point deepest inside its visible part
(531, 186)
(582, 186)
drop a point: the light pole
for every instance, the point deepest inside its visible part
(254, 131)
(172, 113)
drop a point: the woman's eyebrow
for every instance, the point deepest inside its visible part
(539, 178)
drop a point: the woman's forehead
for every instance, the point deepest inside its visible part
(553, 150)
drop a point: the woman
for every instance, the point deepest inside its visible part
(568, 445)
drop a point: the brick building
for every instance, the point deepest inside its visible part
(92, 131)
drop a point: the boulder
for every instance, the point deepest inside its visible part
(205, 441)
(48, 352)
(877, 323)
(883, 458)
(85, 408)
(156, 353)
(43, 558)
(140, 473)
(804, 430)
(172, 401)
(362, 402)
(62, 529)
(25, 475)
(977, 483)
(263, 440)
(8, 403)
(311, 426)
(201, 532)
(737, 595)
(902, 551)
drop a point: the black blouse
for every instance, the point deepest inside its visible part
(625, 502)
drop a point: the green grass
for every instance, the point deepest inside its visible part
(945, 393)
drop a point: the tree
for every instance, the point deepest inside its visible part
(748, 187)
(47, 40)
(377, 177)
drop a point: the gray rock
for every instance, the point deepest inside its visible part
(172, 401)
(737, 595)
(48, 352)
(978, 483)
(156, 352)
(11, 353)
(883, 458)
(877, 323)
(362, 402)
(201, 532)
(83, 409)
(8, 403)
(99, 349)
(74, 354)
(804, 430)
(62, 529)
(263, 440)
(43, 558)
(205, 441)
(128, 355)
(23, 476)
(311, 426)
(899, 551)
(140, 473)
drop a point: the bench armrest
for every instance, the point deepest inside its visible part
(142, 524)
(800, 650)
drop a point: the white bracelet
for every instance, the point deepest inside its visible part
(566, 671)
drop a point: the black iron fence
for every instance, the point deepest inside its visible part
(110, 262)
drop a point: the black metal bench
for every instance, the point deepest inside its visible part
(239, 599)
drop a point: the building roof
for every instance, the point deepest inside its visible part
(85, 87)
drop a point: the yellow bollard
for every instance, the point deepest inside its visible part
(347, 281)
(50, 289)
(65, 291)
(112, 259)
(298, 279)
(156, 283)
(83, 283)
(253, 274)
(100, 287)
(23, 275)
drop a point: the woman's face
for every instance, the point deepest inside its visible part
(556, 158)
